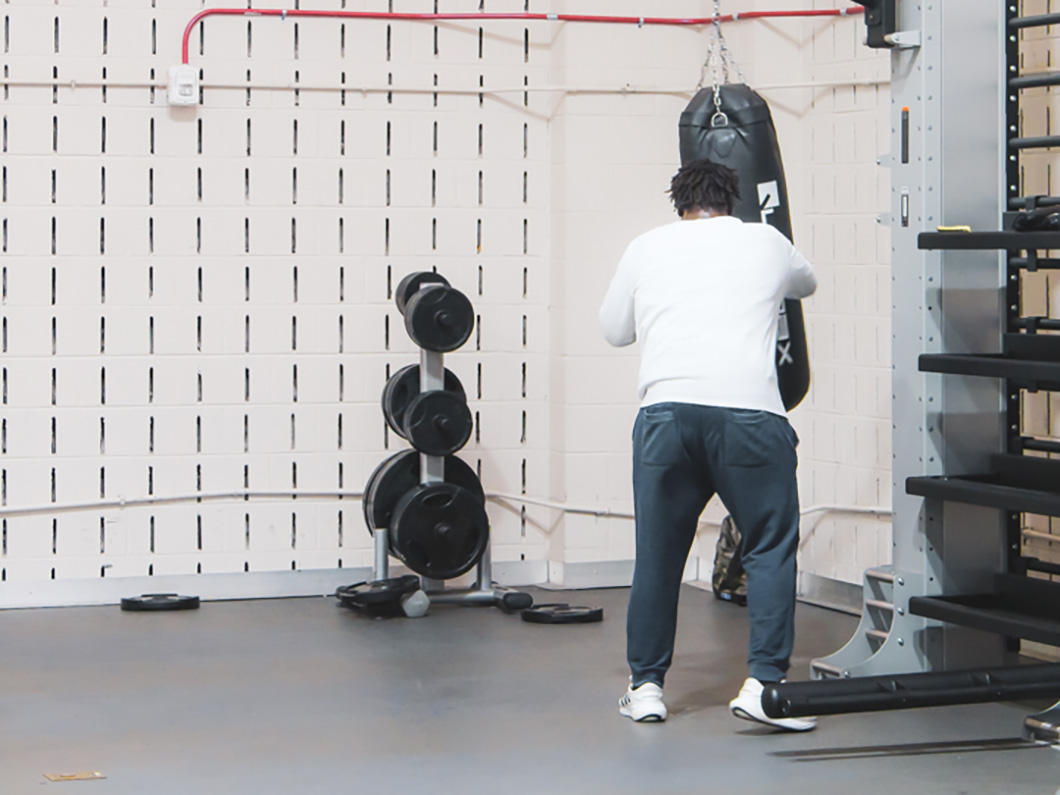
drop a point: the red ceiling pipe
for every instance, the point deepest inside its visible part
(639, 21)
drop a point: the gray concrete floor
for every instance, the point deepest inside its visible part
(301, 697)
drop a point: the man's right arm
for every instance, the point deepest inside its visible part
(803, 281)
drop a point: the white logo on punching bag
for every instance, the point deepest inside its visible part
(783, 338)
(768, 198)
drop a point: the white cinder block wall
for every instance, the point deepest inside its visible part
(842, 127)
(831, 136)
(198, 301)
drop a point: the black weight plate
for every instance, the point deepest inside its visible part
(159, 602)
(410, 285)
(438, 423)
(439, 530)
(403, 387)
(563, 614)
(395, 476)
(366, 594)
(399, 391)
(366, 501)
(400, 474)
(440, 319)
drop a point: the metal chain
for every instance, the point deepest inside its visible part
(717, 54)
(718, 63)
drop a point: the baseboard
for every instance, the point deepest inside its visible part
(605, 574)
(846, 597)
(222, 587)
(813, 589)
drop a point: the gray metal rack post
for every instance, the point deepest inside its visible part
(948, 167)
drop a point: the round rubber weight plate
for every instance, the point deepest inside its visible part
(400, 474)
(410, 285)
(439, 530)
(438, 423)
(440, 319)
(392, 478)
(403, 387)
(563, 614)
(399, 391)
(159, 602)
(365, 594)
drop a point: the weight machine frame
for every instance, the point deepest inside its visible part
(957, 596)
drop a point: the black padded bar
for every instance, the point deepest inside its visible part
(1044, 323)
(1025, 202)
(1031, 375)
(1037, 80)
(1041, 446)
(1035, 142)
(1015, 483)
(1044, 264)
(1034, 564)
(910, 691)
(988, 241)
(1019, 607)
(989, 495)
(1030, 360)
(1037, 21)
(1033, 347)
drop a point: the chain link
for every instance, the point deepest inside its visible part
(718, 63)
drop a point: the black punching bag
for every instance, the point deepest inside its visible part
(744, 139)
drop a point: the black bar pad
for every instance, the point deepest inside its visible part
(1037, 21)
(910, 691)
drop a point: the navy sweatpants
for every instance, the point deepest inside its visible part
(682, 455)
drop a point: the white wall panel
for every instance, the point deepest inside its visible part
(220, 277)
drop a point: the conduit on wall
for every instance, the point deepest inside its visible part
(507, 500)
(526, 17)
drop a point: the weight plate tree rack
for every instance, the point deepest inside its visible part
(439, 319)
(958, 596)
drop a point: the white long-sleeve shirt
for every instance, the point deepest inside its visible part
(703, 298)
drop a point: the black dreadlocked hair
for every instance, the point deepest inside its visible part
(704, 185)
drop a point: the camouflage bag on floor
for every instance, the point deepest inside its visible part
(729, 580)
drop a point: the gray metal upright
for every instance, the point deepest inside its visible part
(949, 147)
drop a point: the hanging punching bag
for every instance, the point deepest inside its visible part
(743, 138)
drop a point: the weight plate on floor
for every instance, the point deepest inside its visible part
(403, 387)
(440, 319)
(158, 602)
(439, 530)
(376, 592)
(410, 285)
(562, 613)
(400, 474)
(438, 423)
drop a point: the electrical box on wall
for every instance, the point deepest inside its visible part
(183, 85)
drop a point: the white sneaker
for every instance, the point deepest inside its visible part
(748, 706)
(644, 705)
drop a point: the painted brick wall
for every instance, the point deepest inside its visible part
(198, 301)
(845, 424)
